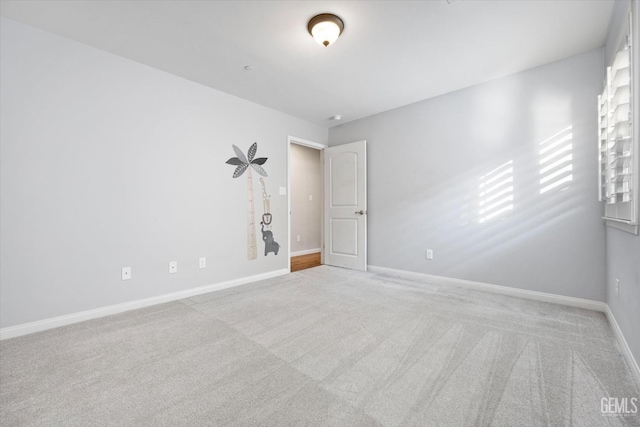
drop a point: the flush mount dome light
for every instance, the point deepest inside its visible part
(325, 28)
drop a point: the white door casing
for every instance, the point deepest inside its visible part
(345, 204)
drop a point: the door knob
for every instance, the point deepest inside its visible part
(360, 212)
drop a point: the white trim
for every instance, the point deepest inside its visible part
(624, 221)
(306, 143)
(531, 295)
(68, 319)
(55, 322)
(633, 365)
(621, 225)
(496, 289)
(306, 252)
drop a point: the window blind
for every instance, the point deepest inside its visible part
(616, 148)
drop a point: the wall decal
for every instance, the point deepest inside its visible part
(270, 245)
(266, 216)
(246, 163)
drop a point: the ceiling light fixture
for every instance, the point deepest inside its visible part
(325, 28)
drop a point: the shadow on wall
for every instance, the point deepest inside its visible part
(499, 180)
(495, 194)
(556, 161)
(496, 205)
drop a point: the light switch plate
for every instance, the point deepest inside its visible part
(126, 273)
(173, 267)
(283, 191)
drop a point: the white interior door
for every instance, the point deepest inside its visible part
(345, 205)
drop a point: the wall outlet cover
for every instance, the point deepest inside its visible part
(202, 263)
(126, 273)
(173, 267)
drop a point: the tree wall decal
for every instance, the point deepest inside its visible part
(246, 163)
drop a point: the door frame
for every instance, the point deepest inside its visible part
(316, 146)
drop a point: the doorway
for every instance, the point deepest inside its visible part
(306, 224)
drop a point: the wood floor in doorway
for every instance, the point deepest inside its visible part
(303, 262)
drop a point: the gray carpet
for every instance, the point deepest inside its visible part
(323, 346)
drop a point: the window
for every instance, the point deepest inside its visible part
(617, 146)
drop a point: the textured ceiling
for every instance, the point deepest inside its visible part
(392, 53)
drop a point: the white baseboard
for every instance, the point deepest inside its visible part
(55, 322)
(531, 295)
(496, 289)
(633, 365)
(307, 252)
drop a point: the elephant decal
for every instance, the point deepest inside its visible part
(270, 245)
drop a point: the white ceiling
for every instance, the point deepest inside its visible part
(391, 53)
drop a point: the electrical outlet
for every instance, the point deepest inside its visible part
(429, 254)
(126, 273)
(311, 197)
(297, 238)
(617, 288)
(173, 267)
(202, 263)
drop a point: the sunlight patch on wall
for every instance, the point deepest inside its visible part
(556, 161)
(496, 192)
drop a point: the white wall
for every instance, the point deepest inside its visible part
(623, 249)
(108, 163)
(306, 182)
(426, 162)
